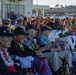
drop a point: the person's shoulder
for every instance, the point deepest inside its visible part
(39, 36)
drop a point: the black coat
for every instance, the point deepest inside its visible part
(15, 50)
(5, 71)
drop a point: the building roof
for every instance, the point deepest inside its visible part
(41, 7)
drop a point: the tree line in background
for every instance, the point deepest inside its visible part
(61, 6)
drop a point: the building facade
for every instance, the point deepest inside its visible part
(71, 10)
(40, 9)
(23, 7)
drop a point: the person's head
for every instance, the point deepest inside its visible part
(18, 13)
(31, 30)
(33, 21)
(46, 20)
(57, 21)
(51, 25)
(45, 30)
(28, 12)
(5, 37)
(20, 21)
(6, 22)
(25, 21)
(20, 34)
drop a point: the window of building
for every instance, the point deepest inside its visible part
(14, 8)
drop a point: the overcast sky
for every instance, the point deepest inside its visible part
(52, 3)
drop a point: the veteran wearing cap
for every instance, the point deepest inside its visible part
(32, 44)
(57, 48)
(25, 21)
(25, 54)
(33, 21)
(6, 63)
(6, 22)
(20, 21)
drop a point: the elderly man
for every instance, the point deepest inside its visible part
(62, 53)
(6, 63)
(52, 57)
(20, 21)
(6, 22)
(26, 55)
(25, 22)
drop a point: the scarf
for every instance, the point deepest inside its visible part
(7, 59)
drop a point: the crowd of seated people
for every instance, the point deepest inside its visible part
(39, 44)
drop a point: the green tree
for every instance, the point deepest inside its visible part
(62, 6)
(57, 5)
